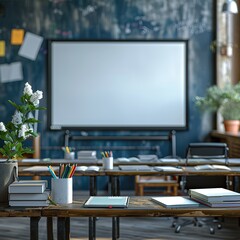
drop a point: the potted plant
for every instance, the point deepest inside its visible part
(225, 100)
(230, 111)
(13, 134)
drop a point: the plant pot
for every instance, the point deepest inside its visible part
(8, 174)
(231, 126)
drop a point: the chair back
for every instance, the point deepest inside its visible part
(206, 150)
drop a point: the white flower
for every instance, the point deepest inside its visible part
(22, 131)
(28, 89)
(2, 127)
(36, 97)
(17, 118)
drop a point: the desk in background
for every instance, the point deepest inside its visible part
(232, 140)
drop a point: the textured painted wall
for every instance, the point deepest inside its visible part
(100, 19)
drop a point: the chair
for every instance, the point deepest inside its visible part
(205, 151)
(169, 184)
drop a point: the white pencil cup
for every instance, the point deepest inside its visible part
(69, 156)
(62, 190)
(108, 163)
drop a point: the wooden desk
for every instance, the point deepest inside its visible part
(182, 162)
(232, 140)
(33, 213)
(138, 207)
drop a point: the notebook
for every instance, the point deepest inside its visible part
(107, 202)
(175, 202)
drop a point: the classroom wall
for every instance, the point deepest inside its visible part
(104, 19)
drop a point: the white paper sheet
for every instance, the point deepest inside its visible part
(11, 72)
(31, 45)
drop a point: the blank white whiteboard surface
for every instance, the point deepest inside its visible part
(118, 84)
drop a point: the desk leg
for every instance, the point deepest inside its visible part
(49, 228)
(115, 191)
(92, 220)
(63, 228)
(34, 227)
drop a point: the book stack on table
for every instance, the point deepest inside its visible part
(216, 197)
(28, 193)
(87, 155)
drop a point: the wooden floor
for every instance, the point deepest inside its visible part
(130, 228)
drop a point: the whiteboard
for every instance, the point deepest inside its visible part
(117, 84)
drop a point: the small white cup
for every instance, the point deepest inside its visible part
(69, 156)
(108, 163)
(62, 190)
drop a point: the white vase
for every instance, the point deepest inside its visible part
(8, 174)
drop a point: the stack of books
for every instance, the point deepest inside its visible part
(216, 197)
(28, 193)
(87, 155)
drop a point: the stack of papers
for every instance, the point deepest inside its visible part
(216, 197)
(175, 202)
(87, 155)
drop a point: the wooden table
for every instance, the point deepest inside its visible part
(115, 185)
(138, 207)
(33, 213)
(181, 162)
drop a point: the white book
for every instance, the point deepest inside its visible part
(212, 167)
(87, 153)
(214, 194)
(28, 186)
(16, 203)
(175, 202)
(167, 169)
(29, 196)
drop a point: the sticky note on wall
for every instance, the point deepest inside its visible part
(17, 36)
(30, 46)
(2, 48)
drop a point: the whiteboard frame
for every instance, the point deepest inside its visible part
(51, 82)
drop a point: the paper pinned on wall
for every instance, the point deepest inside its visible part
(2, 48)
(17, 36)
(31, 45)
(11, 72)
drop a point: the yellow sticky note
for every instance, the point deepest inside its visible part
(17, 36)
(2, 48)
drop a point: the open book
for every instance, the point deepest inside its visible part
(90, 168)
(131, 159)
(212, 167)
(167, 168)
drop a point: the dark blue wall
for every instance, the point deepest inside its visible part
(98, 19)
